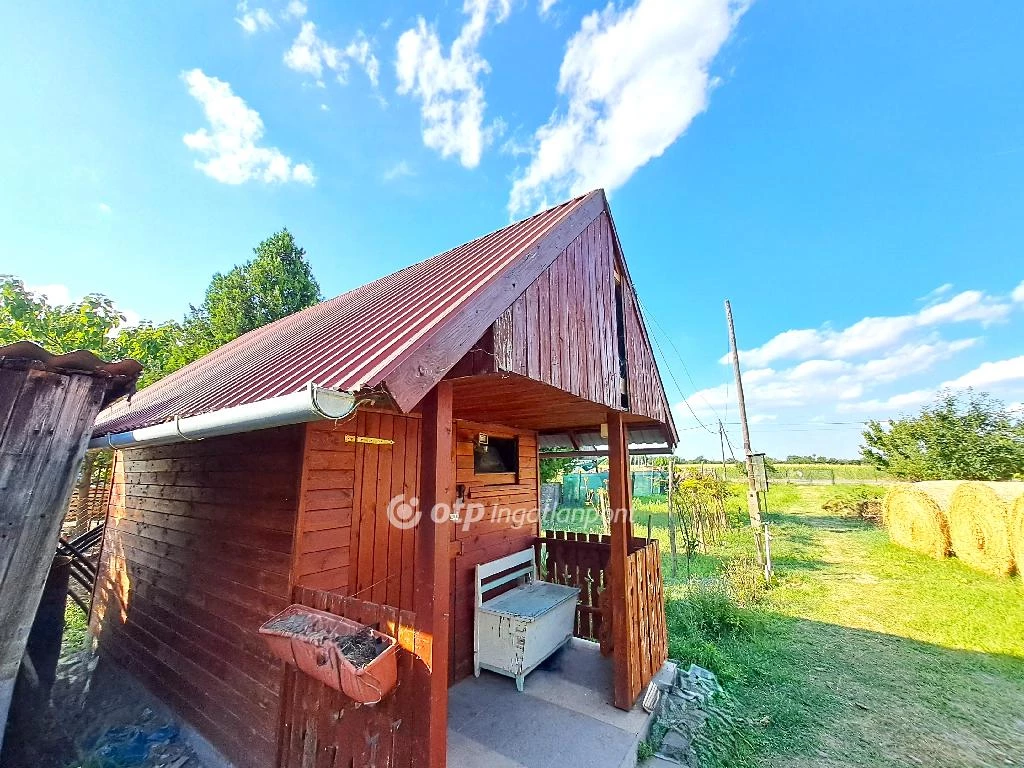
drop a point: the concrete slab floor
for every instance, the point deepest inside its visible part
(564, 718)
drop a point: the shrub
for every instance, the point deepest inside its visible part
(707, 613)
(862, 501)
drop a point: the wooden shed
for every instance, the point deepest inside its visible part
(272, 471)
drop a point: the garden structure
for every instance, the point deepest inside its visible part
(361, 458)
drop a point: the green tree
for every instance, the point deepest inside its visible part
(25, 316)
(551, 470)
(962, 436)
(93, 323)
(276, 283)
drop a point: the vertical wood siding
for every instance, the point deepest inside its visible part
(344, 542)
(561, 330)
(382, 554)
(646, 391)
(196, 556)
(323, 727)
(481, 536)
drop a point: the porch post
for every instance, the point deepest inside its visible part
(620, 499)
(433, 576)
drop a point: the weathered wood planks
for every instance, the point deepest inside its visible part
(45, 418)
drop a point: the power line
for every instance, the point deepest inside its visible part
(672, 375)
(682, 362)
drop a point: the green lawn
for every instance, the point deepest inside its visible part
(861, 654)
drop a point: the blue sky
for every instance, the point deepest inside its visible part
(816, 163)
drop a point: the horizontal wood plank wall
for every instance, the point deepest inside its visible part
(562, 329)
(321, 557)
(195, 558)
(381, 556)
(646, 391)
(483, 534)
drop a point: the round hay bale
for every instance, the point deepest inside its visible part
(979, 525)
(1017, 533)
(915, 516)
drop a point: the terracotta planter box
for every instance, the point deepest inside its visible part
(320, 658)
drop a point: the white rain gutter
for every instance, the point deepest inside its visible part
(312, 403)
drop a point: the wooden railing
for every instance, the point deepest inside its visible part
(84, 553)
(578, 560)
(322, 726)
(645, 609)
(581, 560)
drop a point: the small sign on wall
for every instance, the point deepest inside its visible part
(368, 440)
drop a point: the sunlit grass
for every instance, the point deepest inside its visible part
(861, 654)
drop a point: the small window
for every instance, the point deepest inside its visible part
(495, 455)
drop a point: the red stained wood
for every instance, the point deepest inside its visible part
(433, 566)
(562, 330)
(417, 372)
(321, 727)
(619, 499)
(496, 520)
(183, 585)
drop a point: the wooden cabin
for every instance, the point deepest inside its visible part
(528, 336)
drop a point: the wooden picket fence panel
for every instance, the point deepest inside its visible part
(323, 728)
(645, 609)
(581, 560)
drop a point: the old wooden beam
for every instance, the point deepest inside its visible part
(619, 498)
(45, 419)
(433, 564)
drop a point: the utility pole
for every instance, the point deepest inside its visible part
(721, 440)
(753, 500)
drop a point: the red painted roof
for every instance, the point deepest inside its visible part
(351, 342)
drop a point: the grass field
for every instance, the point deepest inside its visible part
(806, 473)
(862, 654)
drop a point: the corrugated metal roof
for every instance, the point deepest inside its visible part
(351, 342)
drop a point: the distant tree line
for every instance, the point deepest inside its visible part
(276, 282)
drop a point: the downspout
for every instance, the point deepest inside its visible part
(312, 403)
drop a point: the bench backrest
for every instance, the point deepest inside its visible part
(519, 565)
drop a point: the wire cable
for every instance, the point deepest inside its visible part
(671, 373)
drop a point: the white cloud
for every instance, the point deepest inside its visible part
(296, 9)
(399, 170)
(889, 404)
(544, 6)
(990, 374)
(55, 293)
(253, 20)
(1018, 293)
(324, 108)
(105, 209)
(311, 55)
(634, 79)
(935, 294)
(873, 334)
(231, 145)
(451, 96)
(827, 382)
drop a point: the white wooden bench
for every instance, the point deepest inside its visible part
(517, 630)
